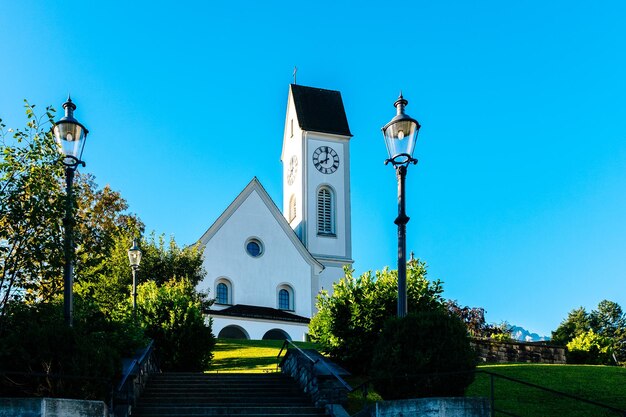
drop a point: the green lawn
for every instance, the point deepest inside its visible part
(248, 356)
(603, 384)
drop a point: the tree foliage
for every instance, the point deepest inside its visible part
(425, 354)
(576, 322)
(590, 348)
(33, 335)
(596, 337)
(45, 357)
(171, 315)
(31, 209)
(348, 322)
(477, 326)
(32, 206)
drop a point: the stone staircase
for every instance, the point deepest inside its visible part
(244, 395)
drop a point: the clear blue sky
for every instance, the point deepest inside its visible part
(518, 203)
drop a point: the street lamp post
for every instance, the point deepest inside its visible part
(70, 137)
(400, 136)
(134, 257)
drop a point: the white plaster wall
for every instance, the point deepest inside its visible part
(255, 280)
(330, 274)
(339, 246)
(292, 145)
(257, 328)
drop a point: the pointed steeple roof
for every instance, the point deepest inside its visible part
(320, 110)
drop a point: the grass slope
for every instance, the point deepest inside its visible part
(603, 384)
(248, 356)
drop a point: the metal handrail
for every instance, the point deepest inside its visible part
(134, 364)
(314, 362)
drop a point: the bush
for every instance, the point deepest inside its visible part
(45, 357)
(425, 354)
(590, 348)
(349, 321)
(171, 314)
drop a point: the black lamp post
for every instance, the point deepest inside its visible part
(134, 257)
(70, 136)
(400, 136)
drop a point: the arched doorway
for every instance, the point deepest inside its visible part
(276, 334)
(233, 332)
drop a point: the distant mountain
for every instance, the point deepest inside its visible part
(523, 335)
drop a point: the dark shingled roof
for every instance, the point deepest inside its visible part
(256, 312)
(320, 110)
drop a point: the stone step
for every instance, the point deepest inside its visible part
(223, 389)
(264, 414)
(245, 395)
(225, 411)
(226, 376)
(231, 399)
(212, 385)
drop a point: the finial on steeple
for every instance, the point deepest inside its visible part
(295, 72)
(412, 258)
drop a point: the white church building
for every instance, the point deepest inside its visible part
(265, 267)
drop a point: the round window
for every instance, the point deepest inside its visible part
(254, 248)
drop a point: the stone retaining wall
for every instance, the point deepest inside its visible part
(51, 407)
(323, 389)
(430, 407)
(507, 352)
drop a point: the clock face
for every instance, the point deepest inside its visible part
(293, 168)
(326, 160)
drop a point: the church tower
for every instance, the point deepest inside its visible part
(316, 178)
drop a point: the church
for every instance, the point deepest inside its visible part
(265, 266)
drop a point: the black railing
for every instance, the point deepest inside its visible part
(133, 381)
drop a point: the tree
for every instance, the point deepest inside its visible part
(160, 262)
(425, 354)
(32, 206)
(608, 319)
(576, 322)
(349, 321)
(605, 324)
(172, 315)
(590, 348)
(31, 209)
(45, 357)
(474, 319)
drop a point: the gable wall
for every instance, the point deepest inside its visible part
(255, 281)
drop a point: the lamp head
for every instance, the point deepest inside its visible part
(134, 255)
(70, 136)
(400, 135)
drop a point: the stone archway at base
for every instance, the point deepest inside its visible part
(276, 334)
(233, 332)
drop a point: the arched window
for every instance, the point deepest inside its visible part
(221, 296)
(325, 214)
(285, 298)
(223, 293)
(292, 208)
